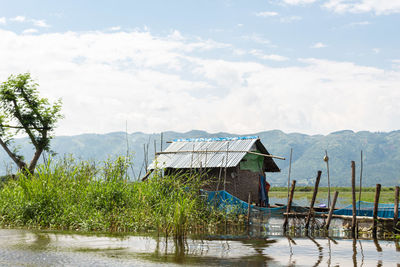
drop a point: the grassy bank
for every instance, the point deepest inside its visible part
(367, 193)
(72, 195)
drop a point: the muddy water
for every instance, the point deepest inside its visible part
(40, 248)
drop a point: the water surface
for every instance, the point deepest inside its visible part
(41, 248)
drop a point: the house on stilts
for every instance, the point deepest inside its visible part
(233, 164)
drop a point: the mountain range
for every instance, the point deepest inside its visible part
(381, 153)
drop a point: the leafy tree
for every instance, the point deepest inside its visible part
(22, 110)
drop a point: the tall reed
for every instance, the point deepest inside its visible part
(81, 195)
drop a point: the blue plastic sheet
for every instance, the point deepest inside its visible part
(366, 209)
(231, 204)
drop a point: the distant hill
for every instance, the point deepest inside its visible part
(381, 152)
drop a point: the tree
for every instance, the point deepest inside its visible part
(22, 110)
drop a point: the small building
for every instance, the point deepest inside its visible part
(231, 164)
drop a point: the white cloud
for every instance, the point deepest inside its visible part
(3, 20)
(272, 57)
(40, 23)
(267, 14)
(299, 2)
(319, 45)
(29, 31)
(257, 38)
(18, 19)
(159, 83)
(379, 7)
(359, 23)
(115, 28)
(290, 19)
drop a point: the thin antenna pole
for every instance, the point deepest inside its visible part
(361, 172)
(191, 160)
(128, 149)
(290, 170)
(220, 172)
(145, 158)
(326, 159)
(161, 141)
(155, 148)
(226, 164)
(205, 161)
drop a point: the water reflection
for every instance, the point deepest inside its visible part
(320, 251)
(19, 247)
(354, 257)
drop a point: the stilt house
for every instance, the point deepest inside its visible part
(231, 164)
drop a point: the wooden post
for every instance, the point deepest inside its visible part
(375, 214)
(290, 170)
(289, 205)
(396, 210)
(332, 208)
(353, 194)
(248, 210)
(313, 200)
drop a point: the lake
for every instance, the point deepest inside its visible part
(44, 248)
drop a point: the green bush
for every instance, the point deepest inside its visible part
(85, 196)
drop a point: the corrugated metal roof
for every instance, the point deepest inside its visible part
(205, 153)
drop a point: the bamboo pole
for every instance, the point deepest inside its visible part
(226, 165)
(361, 172)
(289, 205)
(313, 200)
(161, 141)
(375, 214)
(248, 210)
(332, 208)
(396, 210)
(145, 157)
(290, 169)
(221, 151)
(220, 173)
(353, 193)
(326, 159)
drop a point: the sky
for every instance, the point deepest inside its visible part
(308, 66)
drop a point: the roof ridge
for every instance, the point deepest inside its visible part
(215, 139)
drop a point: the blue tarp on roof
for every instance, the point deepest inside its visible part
(366, 209)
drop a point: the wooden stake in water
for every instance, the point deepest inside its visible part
(289, 205)
(313, 200)
(328, 222)
(353, 194)
(375, 214)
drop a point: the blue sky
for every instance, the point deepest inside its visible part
(312, 66)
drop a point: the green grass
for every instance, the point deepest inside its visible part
(367, 193)
(85, 196)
